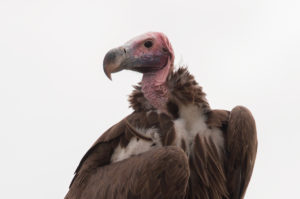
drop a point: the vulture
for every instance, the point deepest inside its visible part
(173, 145)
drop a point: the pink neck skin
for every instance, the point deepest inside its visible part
(155, 89)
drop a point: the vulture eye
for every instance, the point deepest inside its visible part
(148, 44)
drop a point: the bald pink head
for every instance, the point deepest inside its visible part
(152, 45)
(150, 54)
(147, 53)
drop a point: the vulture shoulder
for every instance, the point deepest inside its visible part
(99, 153)
(224, 143)
(225, 176)
(241, 148)
(137, 133)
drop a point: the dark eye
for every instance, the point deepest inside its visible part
(148, 44)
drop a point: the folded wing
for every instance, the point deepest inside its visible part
(241, 148)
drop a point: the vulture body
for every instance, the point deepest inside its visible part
(173, 145)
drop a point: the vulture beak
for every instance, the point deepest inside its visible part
(114, 61)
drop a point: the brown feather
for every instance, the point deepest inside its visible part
(159, 173)
(136, 133)
(100, 153)
(207, 172)
(165, 172)
(183, 90)
(241, 148)
(218, 119)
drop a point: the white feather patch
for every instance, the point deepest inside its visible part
(136, 145)
(191, 123)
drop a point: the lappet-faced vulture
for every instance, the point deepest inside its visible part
(173, 145)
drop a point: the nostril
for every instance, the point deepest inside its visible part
(124, 50)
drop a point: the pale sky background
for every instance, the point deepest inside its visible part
(55, 100)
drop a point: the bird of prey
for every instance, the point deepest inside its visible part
(173, 145)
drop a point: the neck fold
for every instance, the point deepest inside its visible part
(155, 89)
(155, 93)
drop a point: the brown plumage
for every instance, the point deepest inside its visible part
(181, 150)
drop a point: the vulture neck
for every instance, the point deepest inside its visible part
(179, 87)
(155, 89)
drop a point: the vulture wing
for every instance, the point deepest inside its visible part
(241, 142)
(161, 172)
(208, 176)
(215, 177)
(98, 155)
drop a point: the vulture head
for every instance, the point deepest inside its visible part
(150, 54)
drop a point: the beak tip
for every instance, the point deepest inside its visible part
(112, 61)
(108, 75)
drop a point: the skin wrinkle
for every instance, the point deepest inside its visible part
(155, 89)
(154, 83)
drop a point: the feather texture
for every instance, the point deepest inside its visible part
(200, 153)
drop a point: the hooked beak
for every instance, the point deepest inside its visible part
(113, 61)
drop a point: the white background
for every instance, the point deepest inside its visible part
(55, 100)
